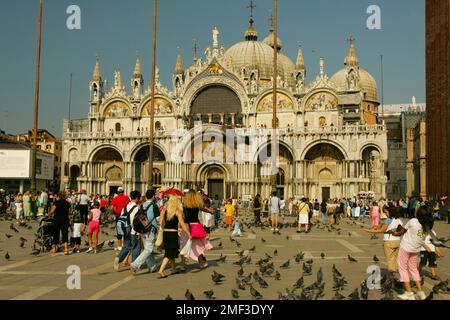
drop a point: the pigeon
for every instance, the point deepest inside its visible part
(351, 259)
(240, 272)
(336, 271)
(310, 261)
(220, 245)
(441, 287)
(319, 276)
(22, 244)
(209, 294)
(100, 246)
(299, 284)
(285, 265)
(111, 243)
(263, 283)
(354, 295)
(275, 253)
(168, 297)
(240, 284)
(7, 256)
(247, 279)
(238, 244)
(255, 294)
(349, 234)
(277, 276)
(322, 255)
(269, 272)
(252, 249)
(235, 293)
(240, 262)
(189, 295)
(299, 257)
(240, 253)
(217, 277)
(375, 258)
(430, 297)
(222, 258)
(8, 235)
(364, 290)
(256, 276)
(248, 260)
(338, 296)
(13, 228)
(263, 241)
(307, 269)
(23, 239)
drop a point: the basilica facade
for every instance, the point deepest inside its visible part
(331, 141)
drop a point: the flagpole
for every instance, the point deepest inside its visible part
(152, 101)
(36, 103)
(274, 98)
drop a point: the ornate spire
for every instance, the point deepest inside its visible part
(97, 74)
(251, 34)
(322, 66)
(300, 61)
(351, 59)
(137, 69)
(179, 65)
(271, 22)
(118, 79)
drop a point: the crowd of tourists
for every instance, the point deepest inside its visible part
(180, 224)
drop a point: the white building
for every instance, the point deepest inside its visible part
(332, 143)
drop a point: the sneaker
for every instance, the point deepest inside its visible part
(78, 251)
(276, 230)
(154, 269)
(89, 250)
(272, 229)
(408, 295)
(116, 264)
(421, 295)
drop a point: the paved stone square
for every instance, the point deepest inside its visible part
(44, 277)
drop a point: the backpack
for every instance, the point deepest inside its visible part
(124, 220)
(142, 223)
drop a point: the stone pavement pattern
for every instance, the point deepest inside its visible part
(26, 276)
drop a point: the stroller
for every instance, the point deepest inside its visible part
(44, 235)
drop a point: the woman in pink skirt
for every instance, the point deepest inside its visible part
(192, 205)
(375, 215)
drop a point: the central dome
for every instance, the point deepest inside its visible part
(259, 55)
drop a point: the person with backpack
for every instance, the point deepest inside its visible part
(130, 239)
(146, 223)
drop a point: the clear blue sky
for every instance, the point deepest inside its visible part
(116, 30)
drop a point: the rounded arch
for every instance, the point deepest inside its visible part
(326, 174)
(267, 144)
(312, 144)
(118, 110)
(142, 154)
(166, 102)
(204, 168)
(144, 146)
(368, 147)
(306, 101)
(73, 155)
(105, 148)
(114, 173)
(214, 99)
(198, 84)
(324, 151)
(267, 94)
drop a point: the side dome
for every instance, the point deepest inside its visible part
(367, 83)
(270, 41)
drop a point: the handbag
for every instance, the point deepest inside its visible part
(197, 231)
(185, 252)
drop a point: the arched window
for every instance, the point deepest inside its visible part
(157, 177)
(157, 125)
(118, 127)
(280, 177)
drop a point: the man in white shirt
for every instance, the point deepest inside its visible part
(130, 240)
(44, 200)
(274, 211)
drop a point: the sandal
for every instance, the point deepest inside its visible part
(174, 273)
(162, 277)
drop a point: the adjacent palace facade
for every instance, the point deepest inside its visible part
(332, 143)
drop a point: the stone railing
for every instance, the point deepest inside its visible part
(348, 129)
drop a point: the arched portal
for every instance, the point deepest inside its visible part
(213, 177)
(107, 171)
(141, 167)
(282, 174)
(324, 165)
(73, 176)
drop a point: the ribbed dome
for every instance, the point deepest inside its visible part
(367, 83)
(270, 41)
(260, 55)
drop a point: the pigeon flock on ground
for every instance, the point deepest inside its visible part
(255, 273)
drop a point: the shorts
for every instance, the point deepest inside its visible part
(229, 220)
(94, 227)
(75, 241)
(119, 231)
(429, 257)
